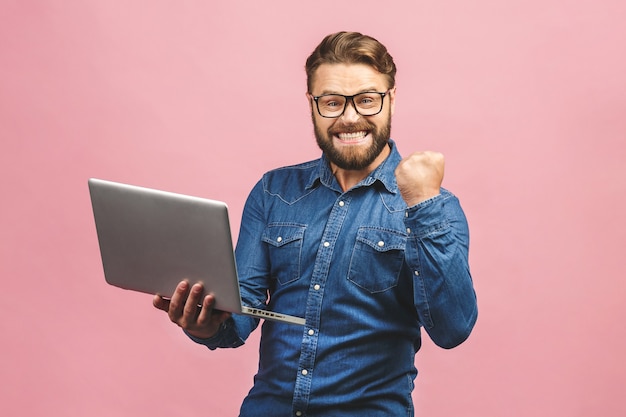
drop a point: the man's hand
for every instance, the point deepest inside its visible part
(184, 309)
(419, 176)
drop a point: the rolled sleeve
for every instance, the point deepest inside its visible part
(438, 250)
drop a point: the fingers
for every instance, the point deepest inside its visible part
(186, 307)
(161, 303)
(177, 302)
(190, 311)
(207, 310)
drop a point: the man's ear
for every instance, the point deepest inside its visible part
(309, 99)
(392, 99)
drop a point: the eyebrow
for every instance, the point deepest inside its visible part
(364, 90)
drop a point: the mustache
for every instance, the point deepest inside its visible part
(351, 128)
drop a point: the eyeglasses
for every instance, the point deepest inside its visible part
(365, 104)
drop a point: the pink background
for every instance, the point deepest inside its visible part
(527, 100)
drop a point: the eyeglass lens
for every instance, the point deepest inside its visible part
(333, 105)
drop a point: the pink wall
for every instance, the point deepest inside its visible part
(527, 99)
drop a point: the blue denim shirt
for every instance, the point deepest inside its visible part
(365, 271)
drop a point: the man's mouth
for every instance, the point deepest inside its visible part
(352, 137)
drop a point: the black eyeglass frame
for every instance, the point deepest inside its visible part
(348, 99)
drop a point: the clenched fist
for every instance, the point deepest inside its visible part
(419, 176)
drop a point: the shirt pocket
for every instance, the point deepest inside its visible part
(377, 259)
(284, 241)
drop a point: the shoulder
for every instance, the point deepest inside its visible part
(293, 181)
(291, 174)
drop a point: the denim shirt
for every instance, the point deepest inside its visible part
(365, 271)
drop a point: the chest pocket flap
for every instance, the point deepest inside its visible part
(280, 234)
(381, 240)
(285, 249)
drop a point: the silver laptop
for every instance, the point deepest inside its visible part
(150, 240)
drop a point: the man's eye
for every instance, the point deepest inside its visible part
(331, 104)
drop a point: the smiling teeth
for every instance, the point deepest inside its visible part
(354, 135)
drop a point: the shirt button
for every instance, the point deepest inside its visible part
(279, 239)
(408, 230)
(311, 332)
(341, 204)
(326, 244)
(316, 287)
(381, 244)
(417, 273)
(305, 372)
(298, 413)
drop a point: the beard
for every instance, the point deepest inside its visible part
(353, 158)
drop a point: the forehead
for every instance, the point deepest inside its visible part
(347, 79)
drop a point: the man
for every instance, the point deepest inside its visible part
(363, 244)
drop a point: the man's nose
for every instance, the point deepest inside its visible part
(349, 113)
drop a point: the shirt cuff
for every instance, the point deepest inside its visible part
(226, 337)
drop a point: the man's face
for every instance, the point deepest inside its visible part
(351, 141)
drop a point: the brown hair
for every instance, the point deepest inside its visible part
(351, 48)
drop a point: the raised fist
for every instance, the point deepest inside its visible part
(419, 176)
